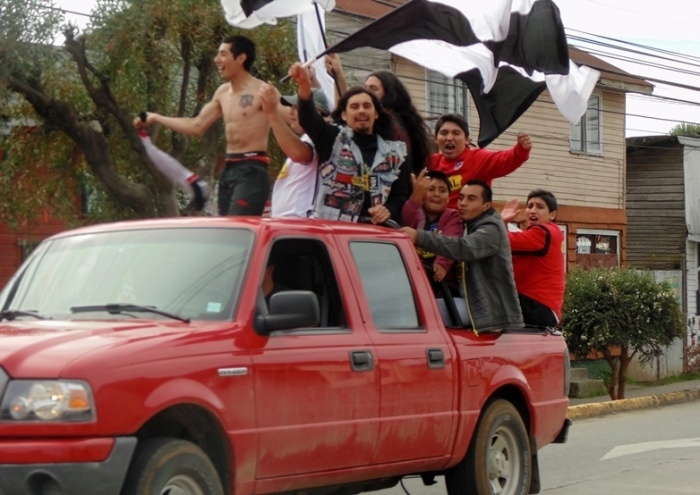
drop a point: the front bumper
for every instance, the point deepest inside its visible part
(99, 476)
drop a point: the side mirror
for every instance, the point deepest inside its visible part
(290, 309)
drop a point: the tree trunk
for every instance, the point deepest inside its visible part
(624, 364)
(614, 377)
(58, 114)
(93, 144)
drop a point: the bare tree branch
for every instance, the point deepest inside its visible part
(102, 95)
(92, 142)
(104, 99)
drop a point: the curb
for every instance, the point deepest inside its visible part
(597, 409)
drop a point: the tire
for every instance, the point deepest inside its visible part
(167, 466)
(499, 461)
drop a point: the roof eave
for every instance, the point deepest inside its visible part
(626, 87)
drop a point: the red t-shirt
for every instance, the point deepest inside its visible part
(477, 163)
(538, 264)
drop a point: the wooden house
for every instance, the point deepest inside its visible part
(663, 210)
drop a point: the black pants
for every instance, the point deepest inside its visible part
(535, 313)
(244, 187)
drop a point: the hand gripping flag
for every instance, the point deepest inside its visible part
(506, 52)
(195, 188)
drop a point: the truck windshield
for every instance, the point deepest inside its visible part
(188, 273)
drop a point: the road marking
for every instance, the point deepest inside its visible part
(638, 448)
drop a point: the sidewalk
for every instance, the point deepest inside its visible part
(636, 397)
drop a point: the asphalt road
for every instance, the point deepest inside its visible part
(646, 452)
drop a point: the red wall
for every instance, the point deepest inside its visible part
(11, 242)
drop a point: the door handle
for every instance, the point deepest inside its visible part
(361, 361)
(436, 358)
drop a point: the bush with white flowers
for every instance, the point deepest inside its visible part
(619, 313)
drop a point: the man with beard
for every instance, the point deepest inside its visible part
(364, 171)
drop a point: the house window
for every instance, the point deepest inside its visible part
(26, 247)
(585, 135)
(446, 95)
(597, 248)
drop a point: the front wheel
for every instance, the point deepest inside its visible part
(167, 466)
(499, 460)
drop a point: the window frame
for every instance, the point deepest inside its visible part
(330, 282)
(26, 247)
(582, 125)
(455, 103)
(612, 233)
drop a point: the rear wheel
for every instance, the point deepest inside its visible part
(166, 466)
(498, 461)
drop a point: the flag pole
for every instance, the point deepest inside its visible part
(320, 25)
(313, 60)
(325, 43)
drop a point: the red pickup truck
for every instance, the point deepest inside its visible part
(155, 357)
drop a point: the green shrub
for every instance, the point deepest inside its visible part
(619, 313)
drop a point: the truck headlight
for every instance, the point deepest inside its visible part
(47, 400)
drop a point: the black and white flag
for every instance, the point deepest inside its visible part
(248, 14)
(311, 27)
(506, 51)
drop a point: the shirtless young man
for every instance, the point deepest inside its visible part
(244, 185)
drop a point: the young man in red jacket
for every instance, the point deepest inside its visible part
(538, 259)
(461, 163)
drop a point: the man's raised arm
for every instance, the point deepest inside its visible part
(192, 126)
(290, 143)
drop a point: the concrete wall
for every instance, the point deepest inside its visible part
(671, 363)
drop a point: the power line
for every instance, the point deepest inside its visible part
(64, 11)
(638, 45)
(655, 16)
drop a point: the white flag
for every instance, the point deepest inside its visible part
(310, 29)
(196, 189)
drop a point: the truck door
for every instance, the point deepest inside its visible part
(316, 389)
(416, 364)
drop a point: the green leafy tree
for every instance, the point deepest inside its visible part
(685, 129)
(619, 313)
(70, 108)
